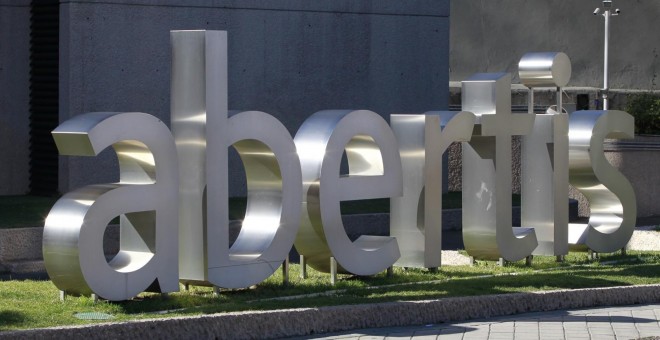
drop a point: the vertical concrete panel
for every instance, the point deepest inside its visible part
(14, 96)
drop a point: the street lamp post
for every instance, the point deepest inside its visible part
(607, 13)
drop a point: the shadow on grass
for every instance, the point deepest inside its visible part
(11, 318)
(650, 271)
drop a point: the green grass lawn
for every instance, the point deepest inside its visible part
(31, 211)
(32, 304)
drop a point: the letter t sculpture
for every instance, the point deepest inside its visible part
(487, 220)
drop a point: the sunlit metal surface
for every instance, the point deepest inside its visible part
(544, 183)
(145, 198)
(199, 114)
(541, 69)
(416, 217)
(612, 202)
(272, 216)
(374, 172)
(487, 220)
(188, 109)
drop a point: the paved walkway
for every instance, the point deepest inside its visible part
(606, 323)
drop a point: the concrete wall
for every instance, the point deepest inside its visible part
(14, 96)
(491, 36)
(289, 58)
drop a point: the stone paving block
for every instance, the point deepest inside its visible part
(525, 322)
(507, 325)
(428, 337)
(526, 330)
(476, 333)
(604, 337)
(424, 332)
(449, 329)
(601, 331)
(627, 335)
(600, 327)
(501, 330)
(571, 334)
(575, 325)
(648, 326)
(449, 337)
(525, 337)
(623, 325)
(481, 328)
(526, 326)
(552, 337)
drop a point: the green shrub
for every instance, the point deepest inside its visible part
(646, 110)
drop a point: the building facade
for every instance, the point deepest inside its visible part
(288, 58)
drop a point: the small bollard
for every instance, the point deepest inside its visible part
(528, 260)
(333, 270)
(285, 271)
(303, 267)
(390, 271)
(501, 262)
(62, 295)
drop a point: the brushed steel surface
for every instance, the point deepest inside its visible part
(487, 220)
(544, 183)
(145, 198)
(188, 106)
(374, 172)
(612, 202)
(274, 191)
(204, 129)
(544, 69)
(416, 217)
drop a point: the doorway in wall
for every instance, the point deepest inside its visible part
(44, 95)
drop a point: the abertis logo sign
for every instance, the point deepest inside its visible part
(172, 194)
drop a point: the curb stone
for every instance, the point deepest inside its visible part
(307, 321)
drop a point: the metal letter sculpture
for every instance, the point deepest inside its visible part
(374, 172)
(201, 124)
(416, 217)
(162, 199)
(612, 203)
(544, 156)
(487, 220)
(145, 198)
